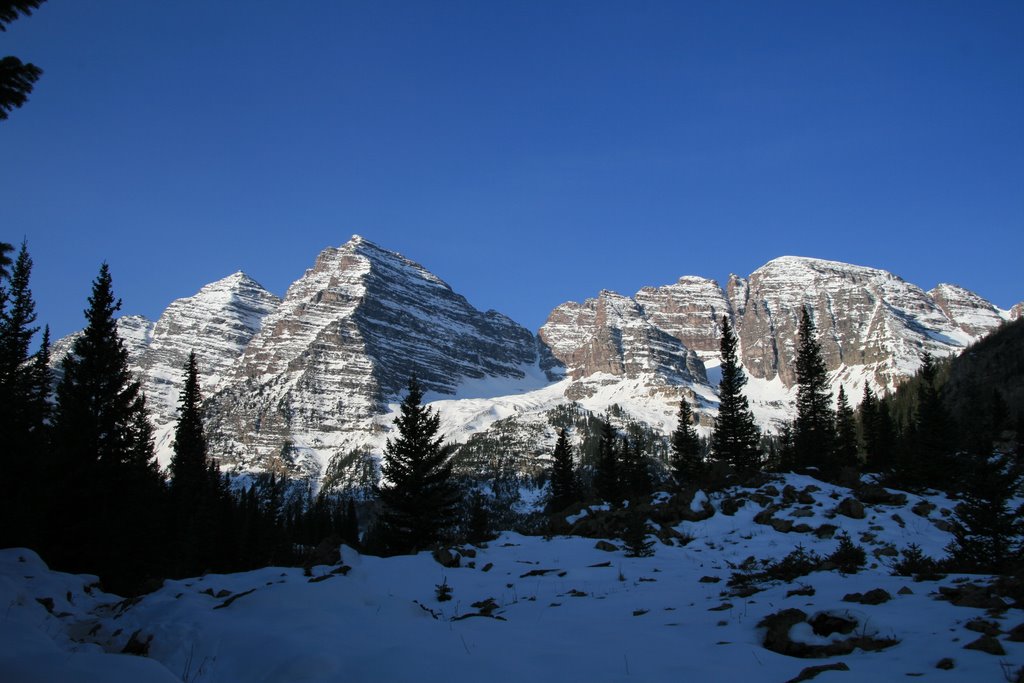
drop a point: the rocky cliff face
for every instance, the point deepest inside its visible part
(344, 342)
(690, 310)
(611, 334)
(312, 379)
(968, 311)
(872, 325)
(217, 323)
(865, 317)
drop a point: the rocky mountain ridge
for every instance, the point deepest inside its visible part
(308, 383)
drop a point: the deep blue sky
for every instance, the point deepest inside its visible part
(528, 153)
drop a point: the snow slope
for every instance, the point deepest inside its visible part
(562, 610)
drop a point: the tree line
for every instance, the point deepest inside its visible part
(79, 481)
(908, 440)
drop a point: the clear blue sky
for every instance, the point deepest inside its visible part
(528, 153)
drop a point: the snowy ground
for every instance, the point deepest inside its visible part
(563, 610)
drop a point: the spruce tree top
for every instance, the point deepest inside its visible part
(189, 463)
(97, 395)
(420, 497)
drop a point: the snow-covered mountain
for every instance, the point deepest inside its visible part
(310, 382)
(217, 323)
(314, 382)
(872, 325)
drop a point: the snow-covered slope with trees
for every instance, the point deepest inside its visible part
(557, 608)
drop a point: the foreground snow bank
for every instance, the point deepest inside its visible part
(44, 614)
(524, 608)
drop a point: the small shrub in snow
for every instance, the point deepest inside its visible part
(848, 557)
(915, 563)
(443, 591)
(800, 562)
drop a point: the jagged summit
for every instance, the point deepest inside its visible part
(298, 382)
(343, 342)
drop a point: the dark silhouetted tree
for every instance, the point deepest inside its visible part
(350, 525)
(735, 439)
(24, 409)
(987, 527)
(419, 499)
(108, 487)
(878, 432)
(635, 535)
(845, 453)
(607, 478)
(687, 464)
(195, 485)
(925, 454)
(5, 260)
(16, 78)
(814, 427)
(635, 469)
(565, 489)
(189, 464)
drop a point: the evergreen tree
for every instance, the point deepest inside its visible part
(607, 479)
(846, 433)
(786, 449)
(108, 487)
(350, 528)
(925, 457)
(189, 464)
(5, 260)
(565, 488)
(194, 483)
(814, 428)
(420, 499)
(735, 439)
(635, 471)
(986, 530)
(478, 524)
(687, 464)
(16, 78)
(23, 415)
(878, 431)
(635, 535)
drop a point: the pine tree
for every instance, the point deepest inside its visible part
(846, 433)
(635, 535)
(735, 439)
(420, 499)
(108, 487)
(607, 479)
(22, 416)
(878, 432)
(5, 260)
(687, 465)
(925, 458)
(986, 529)
(634, 470)
(350, 529)
(565, 488)
(189, 464)
(194, 483)
(16, 78)
(814, 428)
(478, 524)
